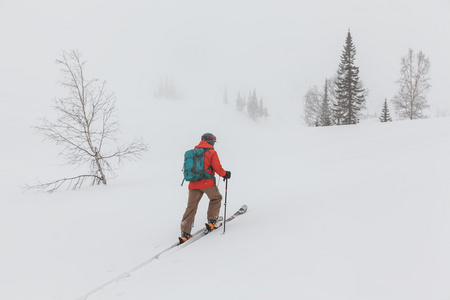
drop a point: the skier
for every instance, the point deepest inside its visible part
(206, 186)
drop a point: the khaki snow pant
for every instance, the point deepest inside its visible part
(215, 199)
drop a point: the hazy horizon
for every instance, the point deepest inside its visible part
(279, 48)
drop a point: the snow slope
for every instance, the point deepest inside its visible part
(350, 212)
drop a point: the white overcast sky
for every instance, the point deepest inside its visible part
(278, 47)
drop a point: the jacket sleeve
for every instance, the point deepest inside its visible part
(216, 165)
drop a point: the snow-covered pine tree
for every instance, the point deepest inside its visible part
(349, 92)
(385, 117)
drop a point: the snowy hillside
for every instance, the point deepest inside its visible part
(349, 212)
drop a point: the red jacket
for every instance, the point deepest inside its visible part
(211, 160)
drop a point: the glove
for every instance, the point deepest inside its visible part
(227, 175)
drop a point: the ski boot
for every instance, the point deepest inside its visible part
(211, 225)
(184, 237)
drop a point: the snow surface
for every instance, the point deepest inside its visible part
(349, 212)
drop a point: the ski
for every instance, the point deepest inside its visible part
(202, 232)
(241, 211)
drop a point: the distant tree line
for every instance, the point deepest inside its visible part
(342, 98)
(251, 105)
(167, 90)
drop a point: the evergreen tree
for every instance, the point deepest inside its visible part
(261, 108)
(252, 106)
(317, 110)
(349, 92)
(385, 117)
(265, 113)
(225, 96)
(166, 90)
(255, 109)
(338, 112)
(324, 117)
(240, 103)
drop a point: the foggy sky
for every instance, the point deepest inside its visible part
(281, 48)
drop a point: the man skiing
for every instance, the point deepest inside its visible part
(206, 186)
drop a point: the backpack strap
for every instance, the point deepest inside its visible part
(208, 149)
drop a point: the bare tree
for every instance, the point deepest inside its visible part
(411, 101)
(86, 127)
(312, 105)
(317, 109)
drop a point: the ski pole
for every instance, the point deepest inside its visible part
(225, 206)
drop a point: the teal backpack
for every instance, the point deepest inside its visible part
(194, 165)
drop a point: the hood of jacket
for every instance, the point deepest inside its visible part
(204, 144)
